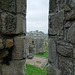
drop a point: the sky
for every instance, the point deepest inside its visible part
(37, 15)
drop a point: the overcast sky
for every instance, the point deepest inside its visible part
(37, 15)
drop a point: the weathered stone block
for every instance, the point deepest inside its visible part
(66, 8)
(13, 24)
(0, 69)
(19, 51)
(21, 24)
(64, 50)
(74, 54)
(21, 6)
(8, 5)
(68, 25)
(52, 51)
(71, 34)
(53, 6)
(16, 67)
(26, 46)
(51, 70)
(56, 23)
(9, 43)
(72, 4)
(1, 44)
(70, 16)
(64, 4)
(4, 54)
(66, 65)
(1, 60)
(8, 23)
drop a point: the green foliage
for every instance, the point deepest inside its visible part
(42, 54)
(33, 70)
(46, 45)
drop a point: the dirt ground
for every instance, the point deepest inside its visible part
(37, 61)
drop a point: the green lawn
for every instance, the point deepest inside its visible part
(33, 70)
(42, 54)
(46, 45)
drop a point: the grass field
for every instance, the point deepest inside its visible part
(33, 70)
(46, 45)
(42, 54)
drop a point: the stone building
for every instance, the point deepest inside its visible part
(37, 41)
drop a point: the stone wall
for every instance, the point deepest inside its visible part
(36, 45)
(12, 37)
(61, 52)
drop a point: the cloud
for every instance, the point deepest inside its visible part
(37, 15)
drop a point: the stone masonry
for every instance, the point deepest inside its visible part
(12, 37)
(61, 52)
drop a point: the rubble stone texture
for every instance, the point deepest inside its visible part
(12, 37)
(61, 51)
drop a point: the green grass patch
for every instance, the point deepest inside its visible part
(42, 54)
(46, 45)
(33, 70)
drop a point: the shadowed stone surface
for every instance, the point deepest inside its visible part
(21, 6)
(9, 5)
(62, 31)
(64, 51)
(12, 24)
(56, 23)
(51, 70)
(19, 51)
(8, 23)
(12, 37)
(16, 68)
(71, 34)
(52, 51)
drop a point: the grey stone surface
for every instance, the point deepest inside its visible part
(12, 37)
(66, 66)
(52, 51)
(15, 68)
(56, 23)
(21, 6)
(51, 70)
(63, 3)
(71, 34)
(72, 4)
(64, 50)
(74, 54)
(62, 23)
(68, 25)
(66, 8)
(8, 23)
(9, 5)
(21, 24)
(19, 51)
(53, 5)
(70, 16)
(13, 24)
(26, 46)
(0, 69)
